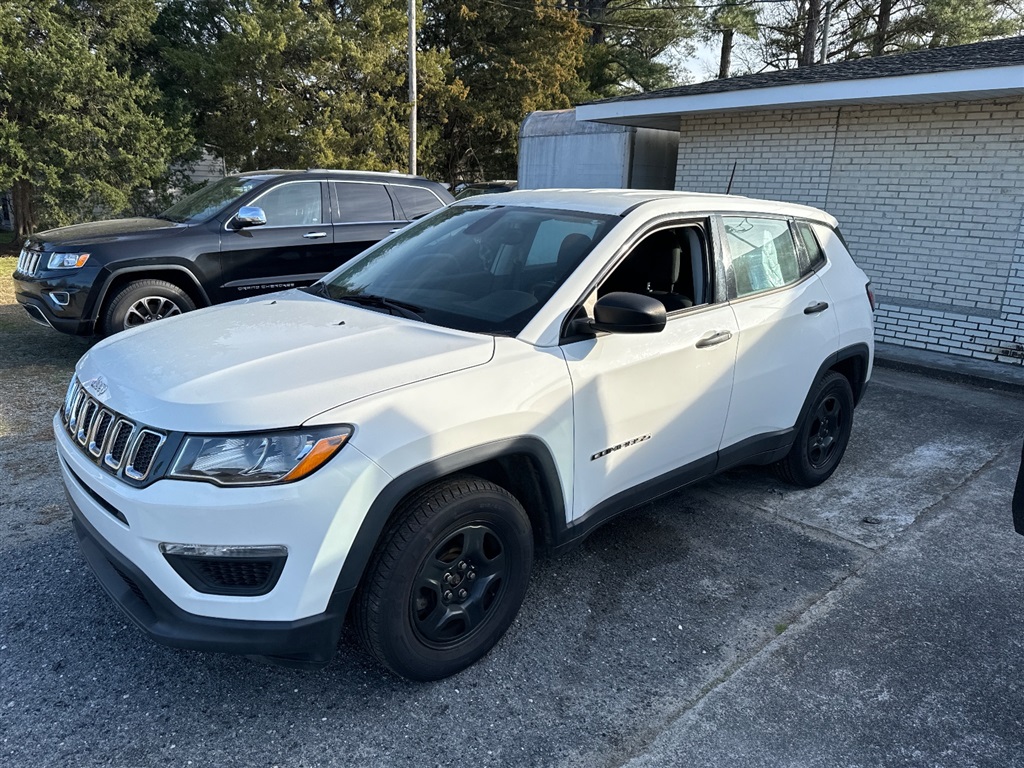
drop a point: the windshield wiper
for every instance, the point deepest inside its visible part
(402, 308)
(316, 289)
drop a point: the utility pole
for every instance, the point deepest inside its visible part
(412, 87)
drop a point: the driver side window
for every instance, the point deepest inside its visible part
(671, 265)
(292, 205)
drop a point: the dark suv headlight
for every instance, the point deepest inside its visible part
(67, 260)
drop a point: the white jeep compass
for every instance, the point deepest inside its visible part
(398, 440)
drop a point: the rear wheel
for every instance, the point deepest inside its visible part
(822, 436)
(446, 579)
(144, 301)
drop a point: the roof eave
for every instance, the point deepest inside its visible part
(959, 85)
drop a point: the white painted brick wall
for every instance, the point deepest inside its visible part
(930, 196)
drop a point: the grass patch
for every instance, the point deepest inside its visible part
(7, 265)
(6, 237)
(780, 628)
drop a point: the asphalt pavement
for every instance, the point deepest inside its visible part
(873, 621)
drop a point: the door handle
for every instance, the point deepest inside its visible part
(396, 229)
(714, 339)
(314, 235)
(814, 309)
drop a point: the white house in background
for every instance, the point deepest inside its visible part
(208, 167)
(920, 156)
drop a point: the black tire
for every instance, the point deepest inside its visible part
(823, 434)
(446, 579)
(143, 301)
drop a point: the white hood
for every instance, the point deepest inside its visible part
(268, 362)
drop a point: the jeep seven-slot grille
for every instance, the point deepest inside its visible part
(112, 441)
(28, 262)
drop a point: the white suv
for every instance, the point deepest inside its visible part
(500, 378)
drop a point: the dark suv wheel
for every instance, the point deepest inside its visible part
(446, 580)
(822, 436)
(144, 301)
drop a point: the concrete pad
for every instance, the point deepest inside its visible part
(918, 659)
(915, 441)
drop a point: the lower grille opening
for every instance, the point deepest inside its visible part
(131, 584)
(229, 575)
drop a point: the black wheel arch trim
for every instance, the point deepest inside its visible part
(116, 274)
(400, 487)
(860, 355)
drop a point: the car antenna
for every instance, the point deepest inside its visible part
(732, 176)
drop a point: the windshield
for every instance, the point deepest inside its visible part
(201, 205)
(486, 269)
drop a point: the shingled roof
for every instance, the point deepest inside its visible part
(993, 53)
(990, 70)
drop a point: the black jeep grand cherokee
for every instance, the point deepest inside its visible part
(242, 235)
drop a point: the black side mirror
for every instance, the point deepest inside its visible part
(622, 312)
(249, 216)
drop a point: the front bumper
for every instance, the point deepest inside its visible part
(307, 643)
(316, 519)
(58, 301)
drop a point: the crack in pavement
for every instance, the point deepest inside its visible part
(815, 607)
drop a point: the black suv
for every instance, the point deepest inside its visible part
(242, 235)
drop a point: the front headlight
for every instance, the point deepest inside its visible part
(67, 260)
(258, 459)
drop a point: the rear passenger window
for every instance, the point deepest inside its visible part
(363, 202)
(415, 201)
(813, 255)
(763, 253)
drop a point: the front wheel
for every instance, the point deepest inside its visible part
(446, 580)
(144, 301)
(822, 436)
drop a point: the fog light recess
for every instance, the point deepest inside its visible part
(219, 569)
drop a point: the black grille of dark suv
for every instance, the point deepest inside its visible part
(117, 444)
(28, 262)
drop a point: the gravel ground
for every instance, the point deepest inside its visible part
(714, 627)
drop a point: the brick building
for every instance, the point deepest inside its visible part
(920, 156)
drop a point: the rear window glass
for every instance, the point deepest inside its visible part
(415, 201)
(814, 254)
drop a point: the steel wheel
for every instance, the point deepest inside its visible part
(446, 579)
(824, 432)
(459, 585)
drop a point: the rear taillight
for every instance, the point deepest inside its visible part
(871, 297)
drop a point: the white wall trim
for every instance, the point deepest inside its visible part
(970, 84)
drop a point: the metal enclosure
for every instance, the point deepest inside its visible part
(556, 150)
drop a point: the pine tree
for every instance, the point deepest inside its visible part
(502, 60)
(79, 130)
